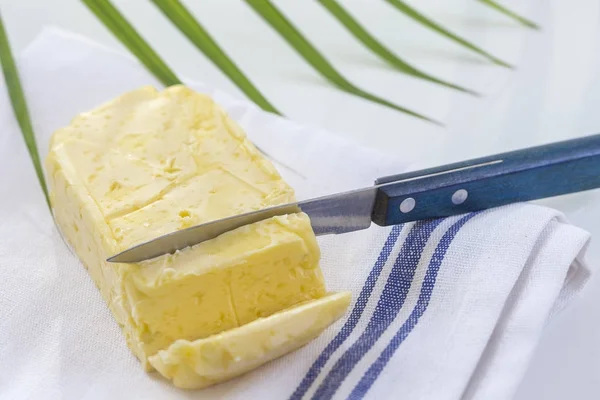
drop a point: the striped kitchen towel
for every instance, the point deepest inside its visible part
(442, 309)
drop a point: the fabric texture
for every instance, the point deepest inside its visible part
(442, 309)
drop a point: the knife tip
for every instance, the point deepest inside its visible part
(120, 258)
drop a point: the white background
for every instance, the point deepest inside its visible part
(553, 94)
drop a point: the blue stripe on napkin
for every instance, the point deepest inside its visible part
(388, 306)
(357, 311)
(426, 290)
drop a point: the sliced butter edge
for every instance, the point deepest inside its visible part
(204, 362)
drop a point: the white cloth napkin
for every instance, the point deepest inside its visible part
(443, 309)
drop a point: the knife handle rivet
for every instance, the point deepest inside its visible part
(407, 205)
(460, 196)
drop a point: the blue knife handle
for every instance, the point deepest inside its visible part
(534, 173)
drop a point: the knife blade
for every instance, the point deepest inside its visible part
(339, 213)
(529, 174)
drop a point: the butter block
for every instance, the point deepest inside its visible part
(149, 163)
(201, 363)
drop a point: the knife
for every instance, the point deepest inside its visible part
(529, 174)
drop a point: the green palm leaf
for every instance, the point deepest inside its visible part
(294, 38)
(423, 20)
(19, 105)
(510, 14)
(118, 25)
(376, 47)
(185, 21)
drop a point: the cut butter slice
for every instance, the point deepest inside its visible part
(201, 363)
(149, 163)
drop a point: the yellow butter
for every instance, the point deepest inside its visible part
(193, 365)
(149, 163)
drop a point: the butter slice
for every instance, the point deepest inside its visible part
(148, 163)
(194, 365)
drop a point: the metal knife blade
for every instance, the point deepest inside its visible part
(340, 213)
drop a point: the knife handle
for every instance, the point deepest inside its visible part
(529, 174)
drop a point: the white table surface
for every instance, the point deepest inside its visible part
(553, 94)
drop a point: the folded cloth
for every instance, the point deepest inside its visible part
(442, 309)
